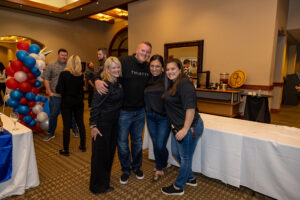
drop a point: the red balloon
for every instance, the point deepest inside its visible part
(37, 128)
(22, 122)
(12, 83)
(9, 71)
(30, 75)
(23, 101)
(31, 103)
(26, 69)
(32, 81)
(23, 45)
(32, 114)
(21, 117)
(35, 90)
(17, 65)
(25, 87)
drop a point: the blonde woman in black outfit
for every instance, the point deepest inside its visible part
(70, 86)
(104, 127)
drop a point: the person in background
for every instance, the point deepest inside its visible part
(135, 76)
(102, 55)
(104, 117)
(157, 122)
(2, 82)
(185, 122)
(70, 87)
(89, 75)
(186, 68)
(50, 76)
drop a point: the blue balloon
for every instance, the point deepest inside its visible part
(16, 95)
(37, 74)
(29, 61)
(30, 96)
(32, 123)
(22, 54)
(34, 70)
(46, 107)
(34, 48)
(44, 100)
(37, 84)
(16, 110)
(27, 119)
(12, 103)
(37, 98)
(24, 110)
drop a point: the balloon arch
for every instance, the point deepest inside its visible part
(23, 82)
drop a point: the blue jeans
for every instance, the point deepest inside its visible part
(183, 152)
(159, 130)
(55, 109)
(131, 122)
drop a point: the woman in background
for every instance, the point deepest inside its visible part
(70, 86)
(157, 122)
(2, 82)
(104, 127)
(185, 122)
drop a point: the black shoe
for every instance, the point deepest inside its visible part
(83, 149)
(48, 137)
(139, 174)
(172, 191)
(192, 182)
(64, 153)
(124, 178)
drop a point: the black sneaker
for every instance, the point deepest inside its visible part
(192, 182)
(124, 178)
(48, 137)
(139, 174)
(172, 191)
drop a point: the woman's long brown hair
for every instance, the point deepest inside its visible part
(180, 76)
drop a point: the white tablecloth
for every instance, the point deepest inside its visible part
(24, 174)
(263, 157)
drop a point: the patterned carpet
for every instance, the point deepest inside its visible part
(68, 177)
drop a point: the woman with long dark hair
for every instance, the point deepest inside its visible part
(186, 124)
(157, 122)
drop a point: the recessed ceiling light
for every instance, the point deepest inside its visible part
(67, 13)
(80, 9)
(97, 2)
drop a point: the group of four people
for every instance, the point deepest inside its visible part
(129, 89)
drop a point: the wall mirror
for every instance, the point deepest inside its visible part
(191, 50)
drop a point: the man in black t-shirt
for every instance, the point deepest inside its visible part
(135, 76)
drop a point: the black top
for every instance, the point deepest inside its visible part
(106, 103)
(176, 106)
(135, 77)
(70, 87)
(153, 95)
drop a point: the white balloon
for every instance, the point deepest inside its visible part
(42, 117)
(44, 125)
(40, 79)
(36, 56)
(40, 64)
(20, 76)
(42, 56)
(37, 109)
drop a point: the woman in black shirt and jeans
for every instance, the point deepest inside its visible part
(157, 122)
(70, 86)
(186, 124)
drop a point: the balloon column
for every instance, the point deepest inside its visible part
(23, 82)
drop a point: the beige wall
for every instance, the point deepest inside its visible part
(294, 15)
(81, 37)
(237, 34)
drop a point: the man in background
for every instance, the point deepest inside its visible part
(89, 75)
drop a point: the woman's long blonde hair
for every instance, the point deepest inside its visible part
(74, 65)
(109, 61)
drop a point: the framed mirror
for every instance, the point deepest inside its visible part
(191, 50)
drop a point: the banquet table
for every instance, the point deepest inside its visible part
(262, 157)
(24, 173)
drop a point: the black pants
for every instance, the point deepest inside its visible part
(2, 88)
(103, 151)
(67, 109)
(91, 94)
